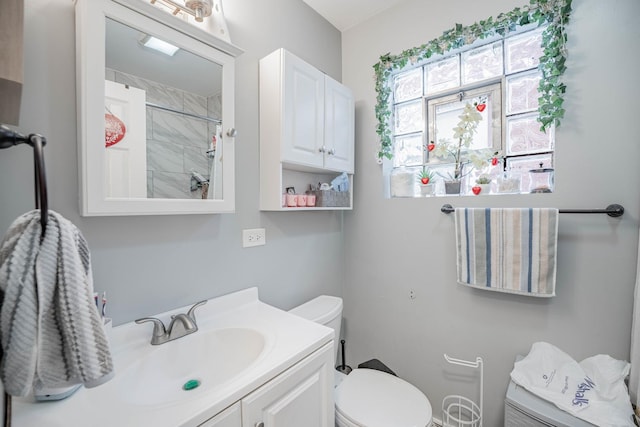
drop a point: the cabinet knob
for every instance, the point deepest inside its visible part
(331, 151)
(321, 149)
(232, 132)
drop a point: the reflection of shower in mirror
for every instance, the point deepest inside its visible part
(199, 182)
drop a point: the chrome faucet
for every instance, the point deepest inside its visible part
(181, 324)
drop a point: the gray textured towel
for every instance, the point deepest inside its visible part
(50, 331)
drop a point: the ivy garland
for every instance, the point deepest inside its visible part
(555, 13)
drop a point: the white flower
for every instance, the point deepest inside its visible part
(463, 134)
(442, 148)
(479, 157)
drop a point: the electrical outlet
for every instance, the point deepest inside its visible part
(254, 237)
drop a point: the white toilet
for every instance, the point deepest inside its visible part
(367, 397)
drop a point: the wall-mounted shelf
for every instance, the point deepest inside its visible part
(306, 130)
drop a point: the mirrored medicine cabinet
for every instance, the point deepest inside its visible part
(156, 130)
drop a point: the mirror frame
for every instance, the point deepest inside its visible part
(90, 75)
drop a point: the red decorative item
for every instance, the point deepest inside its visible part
(431, 146)
(476, 190)
(114, 130)
(425, 181)
(481, 107)
(494, 161)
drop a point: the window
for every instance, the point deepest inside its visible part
(509, 68)
(429, 98)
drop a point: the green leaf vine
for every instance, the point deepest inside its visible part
(553, 13)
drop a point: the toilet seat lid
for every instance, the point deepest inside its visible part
(372, 398)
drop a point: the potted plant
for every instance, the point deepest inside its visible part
(427, 186)
(460, 149)
(483, 185)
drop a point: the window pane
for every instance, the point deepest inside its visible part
(523, 51)
(408, 117)
(407, 150)
(525, 164)
(522, 93)
(408, 85)
(443, 75)
(524, 136)
(444, 115)
(482, 63)
(447, 118)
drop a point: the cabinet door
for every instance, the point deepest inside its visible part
(339, 116)
(230, 417)
(303, 112)
(301, 396)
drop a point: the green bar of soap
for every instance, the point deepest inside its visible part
(190, 385)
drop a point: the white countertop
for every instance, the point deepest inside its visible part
(288, 339)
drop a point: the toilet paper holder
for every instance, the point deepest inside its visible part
(459, 411)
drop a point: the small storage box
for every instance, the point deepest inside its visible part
(332, 198)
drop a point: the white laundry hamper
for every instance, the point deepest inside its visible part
(524, 409)
(459, 411)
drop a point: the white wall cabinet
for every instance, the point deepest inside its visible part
(339, 125)
(300, 396)
(307, 122)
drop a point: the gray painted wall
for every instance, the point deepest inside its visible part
(398, 245)
(151, 264)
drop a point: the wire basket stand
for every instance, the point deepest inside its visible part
(458, 411)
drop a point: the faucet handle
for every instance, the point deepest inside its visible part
(158, 327)
(191, 312)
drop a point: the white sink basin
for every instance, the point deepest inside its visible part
(240, 345)
(189, 366)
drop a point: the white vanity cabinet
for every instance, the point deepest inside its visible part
(307, 122)
(300, 396)
(230, 417)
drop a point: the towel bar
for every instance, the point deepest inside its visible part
(613, 210)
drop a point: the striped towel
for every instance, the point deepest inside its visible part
(507, 250)
(50, 330)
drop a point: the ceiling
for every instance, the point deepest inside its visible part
(344, 14)
(185, 70)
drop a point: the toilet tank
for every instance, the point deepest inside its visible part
(325, 309)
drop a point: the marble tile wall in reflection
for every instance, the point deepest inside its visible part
(176, 144)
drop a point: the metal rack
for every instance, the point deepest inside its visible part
(459, 411)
